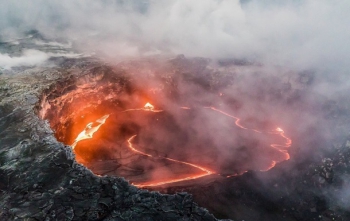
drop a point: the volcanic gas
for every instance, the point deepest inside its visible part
(158, 137)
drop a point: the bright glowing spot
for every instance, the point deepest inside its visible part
(148, 107)
(89, 130)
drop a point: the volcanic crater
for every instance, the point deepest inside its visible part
(176, 125)
(154, 131)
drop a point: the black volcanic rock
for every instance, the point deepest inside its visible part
(40, 179)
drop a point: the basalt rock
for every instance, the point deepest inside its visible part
(40, 179)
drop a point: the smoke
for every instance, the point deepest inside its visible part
(298, 34)
(28, 58)
(281, 38)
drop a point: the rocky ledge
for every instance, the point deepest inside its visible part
(40, 179)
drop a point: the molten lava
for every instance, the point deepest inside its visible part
(147, 107)
(282, 148)
(236, 118)
(90, 129)
(192, 177)
(279, 147)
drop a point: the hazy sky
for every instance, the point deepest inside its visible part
(301, 34)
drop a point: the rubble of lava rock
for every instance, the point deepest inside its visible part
(41, 179)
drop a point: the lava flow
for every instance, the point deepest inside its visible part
(90, 130)
(280, 147)
(205, 171)
(237, 119)
(147, 107)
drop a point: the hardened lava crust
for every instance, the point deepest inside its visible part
(40, 178)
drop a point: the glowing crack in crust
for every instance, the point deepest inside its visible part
(282, 148)
(88, 132)
(147, 107)
(205, 172)
(279, 147)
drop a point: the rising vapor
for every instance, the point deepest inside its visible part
(299, 34)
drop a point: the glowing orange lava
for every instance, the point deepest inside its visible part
(88, 132)
(147, 107)
(280, 147)
(205, 172)
(236, 118)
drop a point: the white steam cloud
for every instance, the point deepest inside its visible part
(28, 58)
(296, 35)
(300, 34)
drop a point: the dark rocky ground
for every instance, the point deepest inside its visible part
(40, 179)
(312, 185)
(315, 191)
